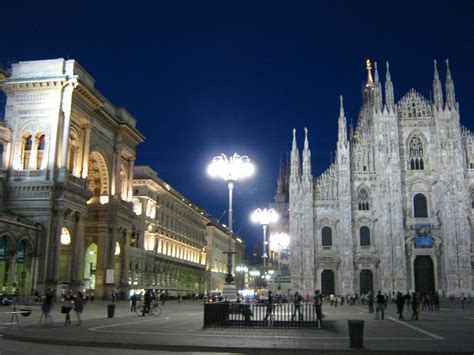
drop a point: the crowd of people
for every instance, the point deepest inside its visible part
(70, 302)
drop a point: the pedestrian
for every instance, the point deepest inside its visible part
(414, 306)
(180, 299)
(318, 303)
(134, 299)
(463, 299)
(380, 305)
(331, 298)
(114, 296)
(163, 298)
(269, 312)
(79, 306)
(400, 303)
(47, 307)
(297, 301)
(67, 306)
(147, 302)
(370, 301)
(436, 301)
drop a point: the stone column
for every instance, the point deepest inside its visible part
(77, 272)
(126, 260)
(86, 149)
(131, 164)
(116, 186)
(66, 109)
(12, 270)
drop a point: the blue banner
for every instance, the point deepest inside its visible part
(423, 237)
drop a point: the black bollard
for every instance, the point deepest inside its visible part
(356, 333)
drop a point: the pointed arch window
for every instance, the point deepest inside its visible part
(40, 151)
(364, 236)
(363, 200)
(27, 146)
(326, 235)
(416, 154)
(420, 206)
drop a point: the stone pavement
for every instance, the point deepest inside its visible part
(179, 328)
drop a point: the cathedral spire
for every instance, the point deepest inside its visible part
(306, 156)
(437, 91)
(280, 195)
(370, 81)
(295, 158)
(389, 97)
(450, 96)
(377, 89)
(342, 127)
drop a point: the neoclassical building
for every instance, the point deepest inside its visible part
(74, 211)
(394, 211)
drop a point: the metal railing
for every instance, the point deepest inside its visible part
(242, 315)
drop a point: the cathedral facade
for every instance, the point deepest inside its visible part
(394, 211)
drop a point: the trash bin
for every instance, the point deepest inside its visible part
(110, 310)
(356, 333)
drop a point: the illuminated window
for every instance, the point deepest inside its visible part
(65, 237)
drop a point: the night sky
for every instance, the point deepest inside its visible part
(205, 77)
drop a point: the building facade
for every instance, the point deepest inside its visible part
(72, 214)
(394, 211)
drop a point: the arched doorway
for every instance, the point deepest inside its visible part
(65, 256)
(90, 265)
(327, 282)
(23, 272)
(424, 274)
(366, 281)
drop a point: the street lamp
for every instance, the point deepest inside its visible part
(279, 242)
(242, 269)
(264, 217)
(254, 274)
(230, 170)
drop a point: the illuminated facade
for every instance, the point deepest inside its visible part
(72, 214)
(395, 209)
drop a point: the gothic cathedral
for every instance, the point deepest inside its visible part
(393, 212)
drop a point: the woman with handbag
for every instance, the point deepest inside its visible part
(79, 306)
(67, 307)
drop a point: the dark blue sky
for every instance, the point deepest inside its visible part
(205, 77)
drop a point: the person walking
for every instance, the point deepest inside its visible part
(134, 299)
(269, 312)
(400, 303)
(414, 307)
(318, 303)
(370, 301)
(147, 302)
(298, 300)
(79, 306)
(114, 296)
(47, 307)
(380, 305)
(67, 306)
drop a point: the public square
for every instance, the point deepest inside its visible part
(180, 329)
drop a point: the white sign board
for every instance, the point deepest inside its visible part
(109, 276)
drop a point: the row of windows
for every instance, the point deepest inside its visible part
(364, 232)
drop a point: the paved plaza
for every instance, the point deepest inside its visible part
(179, 329)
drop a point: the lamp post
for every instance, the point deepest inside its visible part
(264, 217)
(230, 170)
(279, 242)
(254, 274)
(241, 269)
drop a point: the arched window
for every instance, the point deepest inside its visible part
(27, 146)
(326, 234)
(137, 206)
(363, 200)
(72, 157)
(416, 154)
(364, 236)
(65, 237)
(40, 151)
(420, 206)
